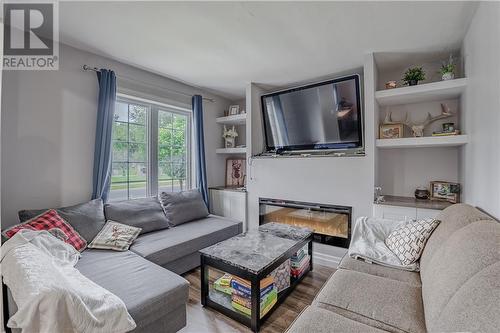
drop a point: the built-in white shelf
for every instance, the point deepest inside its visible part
(427, 92)
(237, 119)
(429, 141)
(231, 150)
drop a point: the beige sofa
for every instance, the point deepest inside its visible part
(457, 289)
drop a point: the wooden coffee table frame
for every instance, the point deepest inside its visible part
(254, 322)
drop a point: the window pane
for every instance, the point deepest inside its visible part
(121, 112)
(137, 152)
(164, 136)
(172, 136)
(137, 114)
(118, 182)
(180, 122)
(164, 119)
(137, 180)
(137, 133)
(120, 131)
(130, 144)
(120, 152)
(178, 153)
(179, 175)
(178, 137)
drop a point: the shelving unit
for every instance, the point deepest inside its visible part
(239, 119)
(242, 150)
(428, 92)
(406, 163)
(423, 142)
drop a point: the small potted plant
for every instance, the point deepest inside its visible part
(448, 70)
(413, 75)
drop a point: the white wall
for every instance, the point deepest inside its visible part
(481, 157)
(345, 181)
(48, 130)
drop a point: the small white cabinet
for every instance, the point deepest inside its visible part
(229, 203)
(403, 213)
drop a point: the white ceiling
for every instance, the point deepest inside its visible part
(222, 46)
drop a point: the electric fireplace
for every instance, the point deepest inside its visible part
(331, 223)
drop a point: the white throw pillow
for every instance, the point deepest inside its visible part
(408, 241)
(115, 236)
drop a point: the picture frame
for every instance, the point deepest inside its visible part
(235, 172)
(233, 110)
(445, 191)
(391, 131)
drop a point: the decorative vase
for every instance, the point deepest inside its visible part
(412, 82)
(422, 193)
(448, 76)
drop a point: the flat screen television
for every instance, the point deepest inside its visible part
(321, 116)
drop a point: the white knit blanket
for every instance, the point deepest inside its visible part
(51, 295)
(368, 242)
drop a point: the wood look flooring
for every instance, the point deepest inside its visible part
(201, 320)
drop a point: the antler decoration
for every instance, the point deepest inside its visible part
(418, 129)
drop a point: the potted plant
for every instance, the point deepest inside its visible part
(448, 70)
(413, 75)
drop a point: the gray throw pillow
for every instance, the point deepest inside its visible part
(86, 218)
(181, 207)
(145, 213)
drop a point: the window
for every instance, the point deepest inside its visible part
(151, 150)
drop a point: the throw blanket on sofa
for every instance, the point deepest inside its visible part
(53, 296)
(368, 242)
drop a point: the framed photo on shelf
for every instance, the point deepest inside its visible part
(445, 191)
(391, 131)
(235, 172)
(234, 110)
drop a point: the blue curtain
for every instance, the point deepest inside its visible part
(102, 150)
(201, 168)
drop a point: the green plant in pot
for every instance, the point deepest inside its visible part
(448, 70)
(413, 75)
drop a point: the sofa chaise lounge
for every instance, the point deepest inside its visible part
(457, 289)
(146, 276)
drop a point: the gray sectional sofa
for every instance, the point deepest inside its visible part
(457, 289)
(146, 276)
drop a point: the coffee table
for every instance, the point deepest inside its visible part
(253, 256)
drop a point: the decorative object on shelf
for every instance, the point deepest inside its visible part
(448, 127)
(422, 193)
(413, 75)
(391, 131)
(234, 110)
(418, 129)
(455, 132)
(448, 70)
(229, 137)
(243, 111)
(445, 191)
(390, 85)
(377, 195)
(235, 172)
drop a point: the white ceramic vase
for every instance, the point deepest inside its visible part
(448, 76)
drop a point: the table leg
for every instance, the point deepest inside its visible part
(310, 250)
(255, 297)
(204, 282)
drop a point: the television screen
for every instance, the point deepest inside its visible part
(325, 115)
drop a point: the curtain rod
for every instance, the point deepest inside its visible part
(87, 68)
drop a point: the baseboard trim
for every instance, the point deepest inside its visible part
(326, 260)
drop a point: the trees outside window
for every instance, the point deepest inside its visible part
(151, 150)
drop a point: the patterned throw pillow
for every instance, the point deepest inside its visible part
(115, 236)
(47, 221)
(408, 241)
